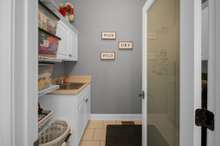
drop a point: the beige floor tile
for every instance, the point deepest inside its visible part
(102, 143)
(138, 122)
(88, 135)
(96, 124)
(118, 122)
(90, 143)
(109, 122)
(100, 134)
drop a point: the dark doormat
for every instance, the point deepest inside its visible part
(127, 123)
(155, 138)
(130, 135)
(123, 135)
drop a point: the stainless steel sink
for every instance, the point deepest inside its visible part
(70, 86)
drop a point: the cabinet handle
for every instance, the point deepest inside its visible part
(86, 100)
(70, 55)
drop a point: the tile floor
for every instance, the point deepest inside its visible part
(95, 132)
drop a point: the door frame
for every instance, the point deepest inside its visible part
(190, 71)
(146, 7)
(214, 70)
(216, 3)
(18, 102)
(7, 134)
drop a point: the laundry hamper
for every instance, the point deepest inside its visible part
(57, 134)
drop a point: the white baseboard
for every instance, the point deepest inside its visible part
(128, 117)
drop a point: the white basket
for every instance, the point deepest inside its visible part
(55, 135)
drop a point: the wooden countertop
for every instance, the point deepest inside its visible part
(86, 80)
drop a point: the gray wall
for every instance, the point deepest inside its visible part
(115, 84)
(58, 70)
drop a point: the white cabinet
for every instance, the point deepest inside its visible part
(62, 48)
(73, 108)
(75, 46)
(68, 46)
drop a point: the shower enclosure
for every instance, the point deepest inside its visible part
(163, 73)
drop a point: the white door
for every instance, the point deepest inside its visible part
(171, 72)
(213, 69)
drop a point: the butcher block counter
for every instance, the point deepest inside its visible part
(85, 80)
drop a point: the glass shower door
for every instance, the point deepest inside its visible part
(163, 73)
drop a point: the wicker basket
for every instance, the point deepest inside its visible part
(55, 135)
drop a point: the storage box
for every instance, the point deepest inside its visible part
(46, 19)
(48, 44)
(44, 76)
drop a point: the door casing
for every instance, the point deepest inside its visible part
(7, 134)
(19, 72)
(214, 70)
(146, 7)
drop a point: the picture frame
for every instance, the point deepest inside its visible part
(125, 45)
(108, 35)
(108, 55)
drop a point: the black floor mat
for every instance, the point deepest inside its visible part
(130, 135)
(123, 135)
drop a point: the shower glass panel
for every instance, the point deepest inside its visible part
(163, 73)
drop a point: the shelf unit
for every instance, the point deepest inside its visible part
(45, 120)
(46, 117)
(48, 90)
(49, 60)
(62, 54)
(53, 7)
(49, 33)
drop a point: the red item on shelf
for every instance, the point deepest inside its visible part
(62, 10)
(67, 11)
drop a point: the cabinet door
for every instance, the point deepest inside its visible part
(63, 34)
(69, 45)
(72, 45)
(80, 119)
(88, 105)
(75, 46)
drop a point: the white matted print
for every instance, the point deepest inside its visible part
(125, 45)
(108, 35)
(107, 55)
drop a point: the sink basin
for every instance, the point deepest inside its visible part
(70, 86)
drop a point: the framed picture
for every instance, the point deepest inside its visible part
(107, 55)
(109, 35)
(125, 45)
